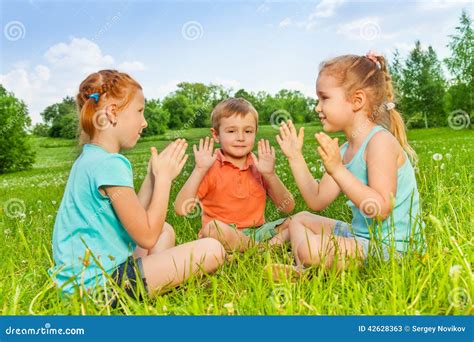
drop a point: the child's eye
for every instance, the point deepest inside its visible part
(250, 132)
(232, 131)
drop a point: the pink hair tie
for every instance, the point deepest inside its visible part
(372, 56)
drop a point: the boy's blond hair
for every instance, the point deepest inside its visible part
(230, 107)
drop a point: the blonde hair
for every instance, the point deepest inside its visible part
(117, 85)
(230, 107)
(360, 72)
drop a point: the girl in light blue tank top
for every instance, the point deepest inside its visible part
(372, 169)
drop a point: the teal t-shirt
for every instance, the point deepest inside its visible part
(86, 218)
(404, 224)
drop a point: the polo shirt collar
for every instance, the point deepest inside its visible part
(222, 158)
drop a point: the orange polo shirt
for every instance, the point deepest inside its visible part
(233, 195)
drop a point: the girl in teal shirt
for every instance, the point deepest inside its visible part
(104, 230)
(373, 169)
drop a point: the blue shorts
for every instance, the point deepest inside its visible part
(127, 274)
(369, 248)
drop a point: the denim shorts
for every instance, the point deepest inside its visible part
(127, 274)
(344, 229)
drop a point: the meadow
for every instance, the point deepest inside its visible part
(438, 282)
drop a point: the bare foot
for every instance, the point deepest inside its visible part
(282, 272)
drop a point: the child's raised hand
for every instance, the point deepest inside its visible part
(170, 161)
(265, 163)
(329, 152)
(205, 156)
(290, 143)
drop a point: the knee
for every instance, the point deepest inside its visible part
(297, 220)
(315, 253)
(215, 252)
(210, 229)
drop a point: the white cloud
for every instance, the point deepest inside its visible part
(80, 53)
(263, 8)
(324, 10)
(131, 66)
(67, 64)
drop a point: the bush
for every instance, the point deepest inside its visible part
(14, 121)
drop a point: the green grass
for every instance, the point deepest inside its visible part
(438, 283)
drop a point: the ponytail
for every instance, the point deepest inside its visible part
(397, 125)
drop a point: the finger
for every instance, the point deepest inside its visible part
(200, 144)
(273, 152)
(182, 162)
(254, 158)
(206, 144)
(153, 151)
(279, 140)
(285, 128)
(267, 146)
(291, 127)
(322, 153)
(259, 148)
(211, 145)
(179, 150)
(194, 149)
(301, 135)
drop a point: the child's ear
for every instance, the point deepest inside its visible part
(111, 112)
(358, 100)
(215, 135)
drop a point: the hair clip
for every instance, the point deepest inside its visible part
(94, 96)
(389, 105)
(372, 56)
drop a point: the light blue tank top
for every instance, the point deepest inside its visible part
(404, 222)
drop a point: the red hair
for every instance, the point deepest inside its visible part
(117, 85)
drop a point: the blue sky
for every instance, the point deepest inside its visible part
(48, 47)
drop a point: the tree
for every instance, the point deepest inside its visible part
(461, 65)
(421, 86)
(16, 152)
(62, 118)
(156, 117)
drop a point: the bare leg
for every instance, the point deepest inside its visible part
(313, 244)
(231, 238)
(166, 240)
(283, 234)
(173, 266)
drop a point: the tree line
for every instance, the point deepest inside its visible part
(425, 95)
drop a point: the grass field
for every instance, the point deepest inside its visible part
(438, 283)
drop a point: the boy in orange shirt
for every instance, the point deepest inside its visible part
(231, 183)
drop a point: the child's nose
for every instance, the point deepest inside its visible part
(145, 124)
(317, 109)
